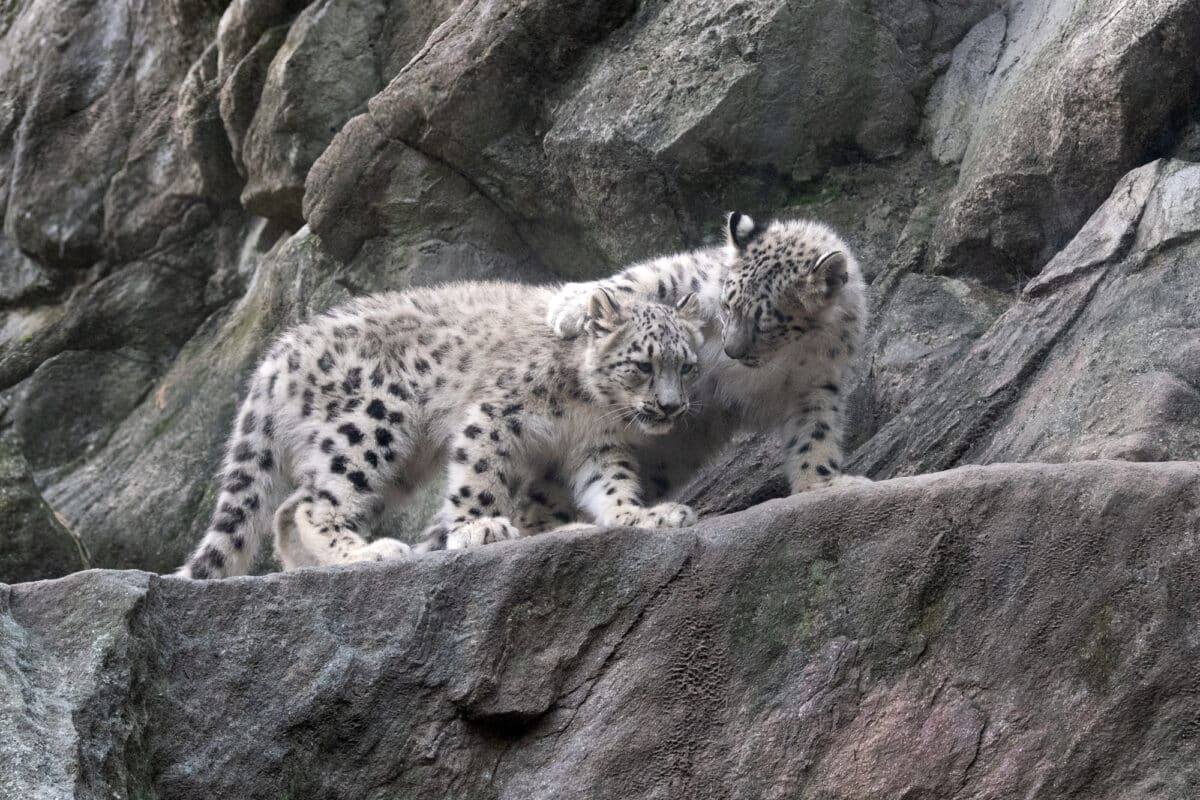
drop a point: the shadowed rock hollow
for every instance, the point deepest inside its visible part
(179, 181)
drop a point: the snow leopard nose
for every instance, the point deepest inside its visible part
(737, 343)
(669, 409)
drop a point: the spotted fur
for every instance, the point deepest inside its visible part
(351, 411)
(784, 306)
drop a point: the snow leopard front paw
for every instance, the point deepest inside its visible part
(663, 515)
(385, 549)
(479, 532)
(833, 482)
(568, 309)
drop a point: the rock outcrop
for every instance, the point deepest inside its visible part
(179, 181)
(1008, 631)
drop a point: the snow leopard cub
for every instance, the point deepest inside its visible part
(358, 406)
(783, 307)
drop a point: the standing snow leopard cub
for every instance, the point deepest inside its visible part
(365, 402)
(783, 307)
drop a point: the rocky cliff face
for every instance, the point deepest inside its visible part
(180, 180)
(993, 632)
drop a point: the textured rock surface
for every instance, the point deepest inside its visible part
(1073, 104)
(1099, 358)
(1010, 631)
(180, 180)
(33, 542)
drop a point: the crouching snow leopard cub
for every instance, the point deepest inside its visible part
(783, 306)
(363, 403)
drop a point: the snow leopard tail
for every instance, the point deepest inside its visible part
(248, 489)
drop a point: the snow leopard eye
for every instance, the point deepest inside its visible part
(686, 368)
(644, 366)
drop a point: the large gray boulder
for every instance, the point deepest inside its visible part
(1081, 92)
(617, 130)
(1008, 631)
(1095, 361)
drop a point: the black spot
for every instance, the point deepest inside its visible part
(397, 390)
(421, 366)
(199, 571)
(215, 557)
(395, 417)
(328, 498)
(460, 455)
(822, 469)
(327, 446)
(268, 426)
(351, 432)
(359, 480)
(266, 460)
(831, 388)
(514, 425)
(465, 491)
(338, 465)
(488, 409)
(377, 377)
(251, 503)
(376, 409)
(325, 362)
(818, 434)
(249, 422)
(371, 458)
(236, 481)
(494, 435)
(472, 431)
(243, 452)
(512, 408)
(353, 381)
(486, 498)
(482, 465)
(383, 437)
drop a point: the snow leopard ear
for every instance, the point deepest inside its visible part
(603, 313)
(832, 270)
(688, 306)
(740, 229)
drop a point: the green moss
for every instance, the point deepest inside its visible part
(784, 606)
(816, 192)
(163, 424)
(8, 14)
(1101, 653)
